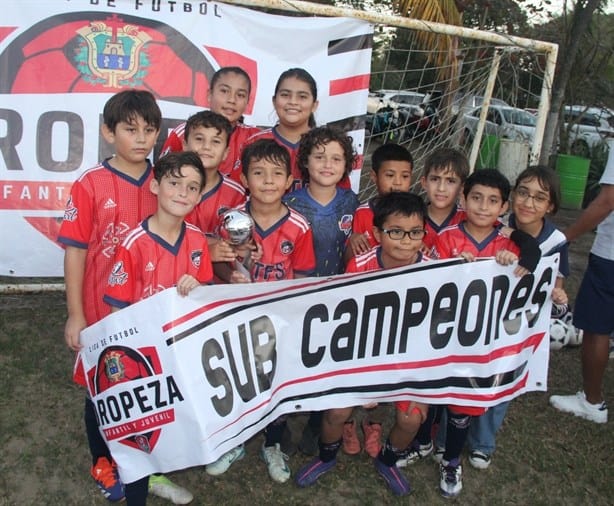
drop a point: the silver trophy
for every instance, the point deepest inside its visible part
(236, 228)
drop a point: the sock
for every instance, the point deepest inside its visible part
(328, 451)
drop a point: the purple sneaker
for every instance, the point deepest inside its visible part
(397, 483)
(309, 473)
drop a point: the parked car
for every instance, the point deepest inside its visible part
(396, 113)
(463, 104)
(504, 122)
(587, 127)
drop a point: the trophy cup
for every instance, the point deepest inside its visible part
(236, 228)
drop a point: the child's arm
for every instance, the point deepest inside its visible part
(559, 295)
(220, 250)
(357, 244)
(186, 284)
(74, 271)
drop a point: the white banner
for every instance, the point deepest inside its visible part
(178, 381)
(55, 58)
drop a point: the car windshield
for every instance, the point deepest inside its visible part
(519, 117)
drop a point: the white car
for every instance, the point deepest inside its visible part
(394, 99)
(587, 126)
(505, 122)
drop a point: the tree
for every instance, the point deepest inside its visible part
(568, 51)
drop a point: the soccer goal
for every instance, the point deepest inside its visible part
(427, 77)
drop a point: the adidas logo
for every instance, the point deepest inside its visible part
(150, 267)
(109, 204)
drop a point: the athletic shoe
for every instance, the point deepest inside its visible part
(308, 444)
(373, 436)
(311, 472)
(479, 460)
(106, 477)
(579, 406)
(438, 454)
(395, 480)
(450, 478)
(275, 461)
(414, 453)
(221, 465)
(161, 486)
(350, 444)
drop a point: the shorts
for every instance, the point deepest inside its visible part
(418, 408)
(595, 300)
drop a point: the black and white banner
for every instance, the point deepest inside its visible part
(60, 61)
(179, 381)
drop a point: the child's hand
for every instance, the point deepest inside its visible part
(559, 296)
(359, 244)
(72, 329)
(186, 284)
(505, 257)
(257, 250)
(238, 277)
(220, 250)
(371, 405)
(467, 256)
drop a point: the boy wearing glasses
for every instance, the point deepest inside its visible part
(398, 226)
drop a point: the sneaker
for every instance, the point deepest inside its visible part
(221, 465)
(275, 461)
(479, 460)
(105, 474)
(373, 436)
(579, 406)
(308, 444)
(161, 486)
(450, 478)
(311, 472)
(397, 483)
(438, 454)
(350, 444)
(414, 453)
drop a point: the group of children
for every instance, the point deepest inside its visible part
(131, 230)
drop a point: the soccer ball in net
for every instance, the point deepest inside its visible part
(559, 334)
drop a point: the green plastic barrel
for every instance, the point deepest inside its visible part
(573, 172)
(488, 155)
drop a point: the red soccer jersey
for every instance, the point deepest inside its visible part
(432, 229)
(145, 264)
(104, 205)
(287, 248)
(454, 240)
(363, 222)
(227, 194)
(238, 137)
(372, 261)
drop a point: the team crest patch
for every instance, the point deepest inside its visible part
(345, 223)
(70, 213)
(286, 247)
(113, 366)
(195, 257)
(118, 276)
(112, 53)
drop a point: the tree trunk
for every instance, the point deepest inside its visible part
(582, 16)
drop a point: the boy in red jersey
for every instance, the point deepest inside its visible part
(287, 252)
(445, 171)
(207, 134)
(163, 251)
(391, 169)
(486, 194)
(228, 95)
(398, 226)
(105, 203)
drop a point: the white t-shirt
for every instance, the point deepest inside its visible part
(603, 246)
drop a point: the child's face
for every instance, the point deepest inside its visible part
(393, 176)
(442, 188)
(396, 253)
(266, 180)
(230, 96)
(209, 143)
(132, 141)
(294, 102)
(483, 206)
(530, 202)
(326, 164)
(178, 195)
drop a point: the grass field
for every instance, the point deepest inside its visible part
(542, 457)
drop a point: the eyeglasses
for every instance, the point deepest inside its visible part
(397, 234)
(538, 200)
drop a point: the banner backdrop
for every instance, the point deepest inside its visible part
(179, 381)
(60, 61)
